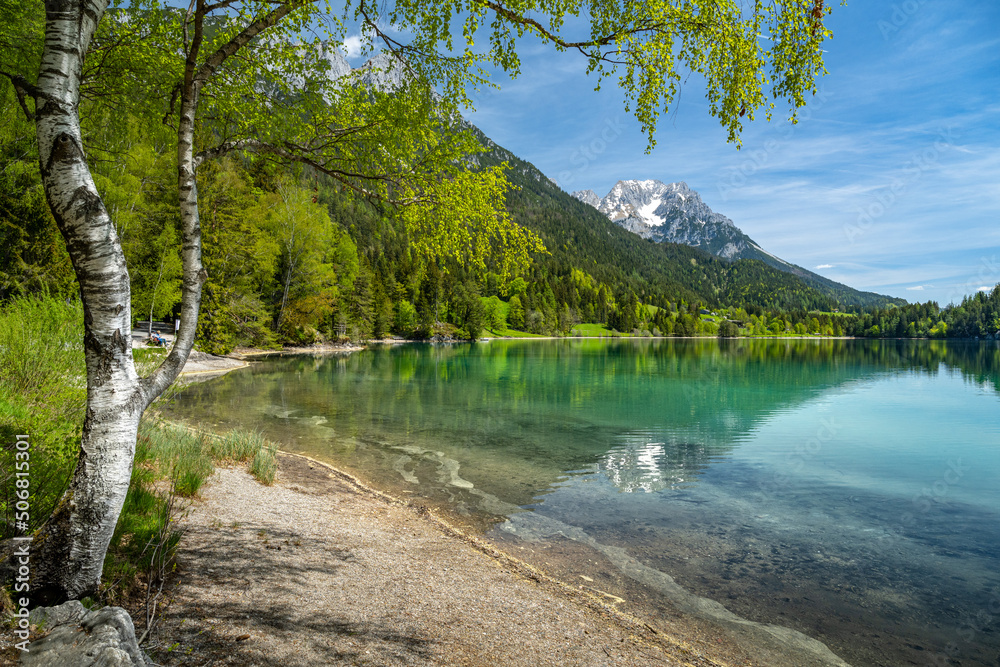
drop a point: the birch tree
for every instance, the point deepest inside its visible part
(202, 69)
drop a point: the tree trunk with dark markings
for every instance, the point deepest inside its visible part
(67, 552)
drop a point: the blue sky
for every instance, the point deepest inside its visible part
(889, 183)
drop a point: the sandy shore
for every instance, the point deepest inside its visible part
(319, 570)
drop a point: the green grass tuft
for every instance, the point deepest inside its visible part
(264, 465)
(238, 446)
(179, 455)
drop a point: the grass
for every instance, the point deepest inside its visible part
(513, 333)
(594, 330)
(177, 455)
(831, 313)
(189, 458)
(43, 394)
(238, 446)
(264, 465)
(144, 538)
(170, 462)
(147, 358)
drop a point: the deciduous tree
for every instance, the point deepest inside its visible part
(232, 75)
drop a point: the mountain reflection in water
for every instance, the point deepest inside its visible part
(694, 460)
(639, 465)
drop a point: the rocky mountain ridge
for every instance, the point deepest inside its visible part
(669, 213)
(674, 213)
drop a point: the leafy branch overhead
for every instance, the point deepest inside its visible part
(749, 54)
(404, 147)
(263, 86)
(209, 78)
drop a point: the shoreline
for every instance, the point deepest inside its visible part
(322, 568)
(201, 366)
(672, 613)
(678, 621)
(446, 527)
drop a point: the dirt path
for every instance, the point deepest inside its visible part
(316, 570)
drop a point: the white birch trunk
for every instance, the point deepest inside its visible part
(68, 551)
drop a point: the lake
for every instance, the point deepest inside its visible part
(798, 494)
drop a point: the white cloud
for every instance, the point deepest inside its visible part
(984, 288)
(826, 266)
(918, 288)
(352, 44)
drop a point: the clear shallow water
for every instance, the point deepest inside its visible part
(847, 489)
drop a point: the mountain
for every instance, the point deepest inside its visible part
(674, 213)
(336, 61)
(696, 250)
(381, 72)
(581, 238)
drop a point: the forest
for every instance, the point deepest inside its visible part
(294, 257)
(976, 317)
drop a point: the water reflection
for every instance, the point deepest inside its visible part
(664, 454)
(640, 465)
(517, 415)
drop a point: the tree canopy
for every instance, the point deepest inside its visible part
(232, 76)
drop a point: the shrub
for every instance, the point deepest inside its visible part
(728, 329)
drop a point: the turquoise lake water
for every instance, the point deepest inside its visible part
(847, 490)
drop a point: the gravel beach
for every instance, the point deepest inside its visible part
(319, 570)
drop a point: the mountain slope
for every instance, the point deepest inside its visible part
(683, 264)
(674, 213)
(580, 237)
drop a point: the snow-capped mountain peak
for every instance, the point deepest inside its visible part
(670, 212)
(653, 203)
